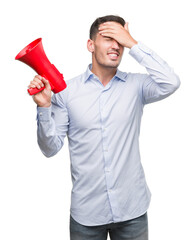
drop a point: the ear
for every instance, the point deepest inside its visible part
(90, 45)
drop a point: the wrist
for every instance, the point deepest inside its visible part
(132, 43)
(47, 105)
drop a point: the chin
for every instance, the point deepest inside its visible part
(114, 64)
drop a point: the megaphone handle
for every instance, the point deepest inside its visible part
(33, 91)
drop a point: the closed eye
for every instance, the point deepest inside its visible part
(107, 38)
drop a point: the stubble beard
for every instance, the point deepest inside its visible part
(111, 64)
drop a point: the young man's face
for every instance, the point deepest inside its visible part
(107, 52)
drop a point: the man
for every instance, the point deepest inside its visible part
(100, 112)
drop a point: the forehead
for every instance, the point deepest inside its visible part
(109, 23)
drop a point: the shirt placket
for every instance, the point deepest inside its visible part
(104, 111)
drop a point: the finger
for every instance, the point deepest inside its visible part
(110, 27)
(107, 34)
(38, 77)
(103, 27)
(46, 83)
(108, 31)
(126, 26)
(31, 86)
(37, 82)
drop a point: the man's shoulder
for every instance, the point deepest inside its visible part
(76, 80)
(72, 85)
(131, 76)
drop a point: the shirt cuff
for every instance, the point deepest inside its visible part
(139, 50)
(43, 114)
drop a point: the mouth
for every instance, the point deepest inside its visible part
(113, 55)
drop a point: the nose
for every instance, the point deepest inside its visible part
(115, 44)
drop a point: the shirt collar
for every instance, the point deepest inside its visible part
(119, 75)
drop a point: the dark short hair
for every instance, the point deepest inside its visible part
(109, 18)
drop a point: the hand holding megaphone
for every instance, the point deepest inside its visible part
(34, 56)
(42, 98)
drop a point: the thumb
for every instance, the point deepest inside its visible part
(126, 26)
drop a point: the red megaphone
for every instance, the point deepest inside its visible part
(34, 56)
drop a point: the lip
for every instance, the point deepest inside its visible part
(113, 55)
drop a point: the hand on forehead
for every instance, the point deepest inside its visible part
(118, 32)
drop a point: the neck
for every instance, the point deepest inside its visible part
(105, 74)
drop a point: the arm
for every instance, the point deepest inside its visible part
(161, 81)
(52, 118)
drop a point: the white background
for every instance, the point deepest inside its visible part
(35, 191)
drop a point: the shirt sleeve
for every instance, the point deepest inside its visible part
(161, 80)
(52, 126)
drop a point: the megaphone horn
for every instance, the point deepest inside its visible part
(34, 56)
